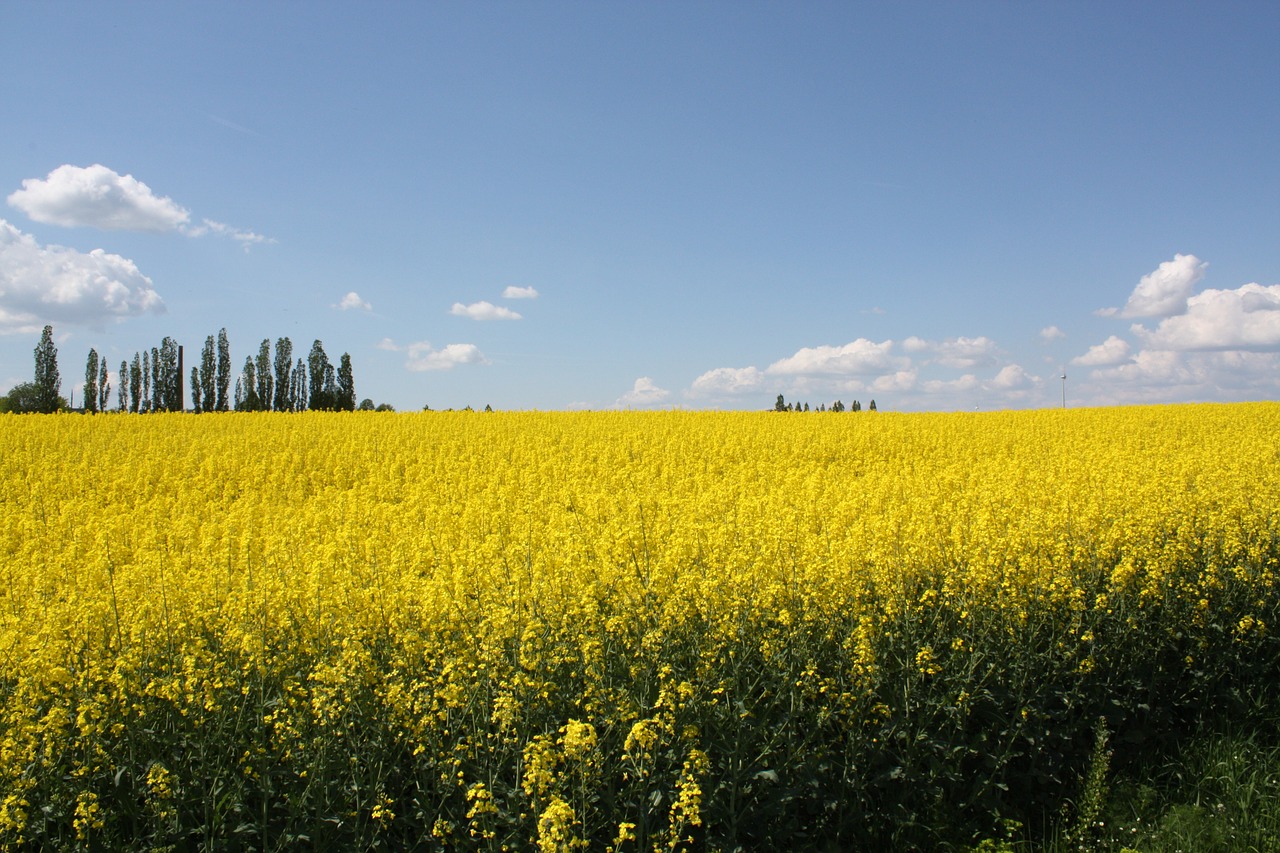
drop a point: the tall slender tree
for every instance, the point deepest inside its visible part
(135, 385)
(146, 380)
(195, 390)
(171, 381)
(263, 368)
(317, 366)
(282, 401)
(346, 385)
(208, 381)
(48, 380)
(247, 388)
(224, 371)
(157, 387)
(91, 382)
(104, 385)
(123, 405)
(298, 386)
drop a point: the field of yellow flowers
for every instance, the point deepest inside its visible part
(626, 631)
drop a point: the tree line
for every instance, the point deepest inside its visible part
(783, 406)
(152, 381)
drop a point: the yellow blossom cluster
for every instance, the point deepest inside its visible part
(626, 630)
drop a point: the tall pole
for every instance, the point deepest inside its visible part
(1064, 389)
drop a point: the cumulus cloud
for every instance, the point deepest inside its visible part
(1247, 318)
(963, 353)
(1051, 333)
(899, 380)
(40, 284)
(915, 344)
(858, 357)
(959, 353)
(967, 382)
(727, 380)
(483, 311)
(98, 197)
(643, 393)
(1163, 292)
(1111, 351)
(514, 292)
(352, 301)
(1012, 377)
(422, 356)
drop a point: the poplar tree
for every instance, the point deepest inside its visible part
(135, 385)
(104, 386)
(124, 386)
(346, 385)
(208, 381)
(195, 390)
(156, 393)
(247, 388)
(298, 386)
(283, 400)
(91, 382)
(263, 369)
(317, 368)
(146, 381)
(170, 381)
(224, 370)
(48, 381)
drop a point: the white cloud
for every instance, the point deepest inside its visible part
(1111, 351)
(914, 344)
(1149, 366)
(353, 301)
(901, 380)
(643, 393)
(1051, 333)
(968, 382)
(1247, 318)
(1012, 378)
(96, 196)
(422, 356)
(962, 353)
(1168, 376)
(483, 311)
(727, 380)
(1163, 292)
(208, 226)
(958, 353)
(40, 284)
(514, 292)
(857, 357)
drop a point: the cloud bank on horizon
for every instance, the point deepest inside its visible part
(1203, 343)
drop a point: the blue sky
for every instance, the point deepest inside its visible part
(595, 205)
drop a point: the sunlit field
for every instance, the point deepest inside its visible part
(627, 631)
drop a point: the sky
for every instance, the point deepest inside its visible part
(562, 205)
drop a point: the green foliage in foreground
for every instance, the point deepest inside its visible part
(1218, 793)
(938, 756)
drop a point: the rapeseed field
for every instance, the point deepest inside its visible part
(616, 631)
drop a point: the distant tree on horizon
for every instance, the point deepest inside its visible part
(48, 381)
(91, 382)
(222, 402)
